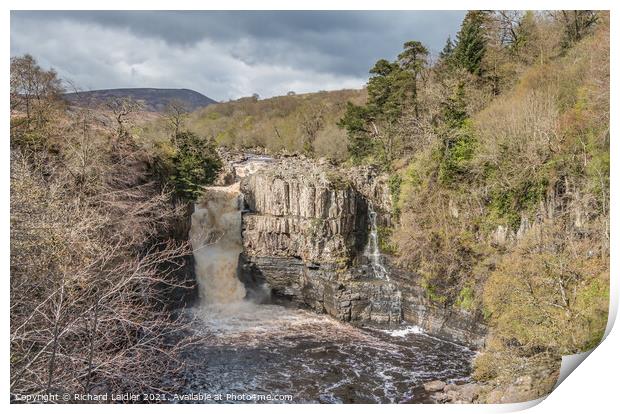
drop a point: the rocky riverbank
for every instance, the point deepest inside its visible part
(537, 383)
(305, 231)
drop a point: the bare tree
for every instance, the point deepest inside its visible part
(175, 115)
(35, 92)
(123, 109)
(94, 265)
(577, 23)
(311, 121)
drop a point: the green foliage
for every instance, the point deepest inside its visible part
(190, 166)
(457, 151)
(454, 108)
(457, 136)
(373, 129)
(386, 245)
(431, 293)
(413, 57)
(447, 50)
(301, 123)
(360, 146)
(506, 206)
(385, 93)
(394, 184)
(465, 298)
(471, 43)
(542, 295)
(536, 146)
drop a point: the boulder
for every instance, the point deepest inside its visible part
(434, 386)
(468, 392)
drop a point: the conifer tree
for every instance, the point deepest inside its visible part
(413, 60)
(447, 50)
(471, 43)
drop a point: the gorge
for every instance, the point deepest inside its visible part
(439, 234)
(296, 298)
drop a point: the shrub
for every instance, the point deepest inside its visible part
(193, 164)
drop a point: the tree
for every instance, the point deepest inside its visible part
(458, 142)
(447, 50)
(375, 129)
(354, 121)
(413, 60)
(176, 114)
(195, 164)
(471, 43)
(413, 57)
(93, 267)
(454, 108)
(368, 126)
(123, 109)
(577, 23)
(35, 93)
(381, 88)
(509, 21)
(311, 122)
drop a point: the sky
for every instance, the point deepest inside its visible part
(223, 54)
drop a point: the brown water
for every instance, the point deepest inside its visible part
(216, 243)
(272, 349)
(255, 349)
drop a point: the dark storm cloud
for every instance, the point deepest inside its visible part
(308, 50)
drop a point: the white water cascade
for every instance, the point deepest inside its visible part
(372, 248)
(216, 242)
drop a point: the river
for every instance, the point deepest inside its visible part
(276, 350)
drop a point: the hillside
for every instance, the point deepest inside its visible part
(304, 123)
(154, 99)
(466, 195)
(298, 123)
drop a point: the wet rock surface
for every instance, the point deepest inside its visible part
(305, 230)
(303, 233)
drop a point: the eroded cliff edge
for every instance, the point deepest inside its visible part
(305, 232)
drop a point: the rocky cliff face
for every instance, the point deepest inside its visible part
(305, 230)
(451, 323)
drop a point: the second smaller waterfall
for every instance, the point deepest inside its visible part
(372, 251)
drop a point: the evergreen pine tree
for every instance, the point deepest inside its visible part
(447, 50)
(471, 43)
(412, 60)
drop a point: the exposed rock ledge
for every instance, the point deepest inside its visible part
(304, 233)
(524, 388)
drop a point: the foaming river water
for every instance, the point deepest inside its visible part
(273, 350)
(276, 350)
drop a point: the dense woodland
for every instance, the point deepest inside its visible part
(498, 155)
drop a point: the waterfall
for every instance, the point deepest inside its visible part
(216, 242)
(372, 248)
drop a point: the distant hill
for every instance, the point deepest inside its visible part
(154, 99)
(280, 123)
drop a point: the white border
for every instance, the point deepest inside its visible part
(591, 388)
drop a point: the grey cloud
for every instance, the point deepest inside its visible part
(327, 46)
